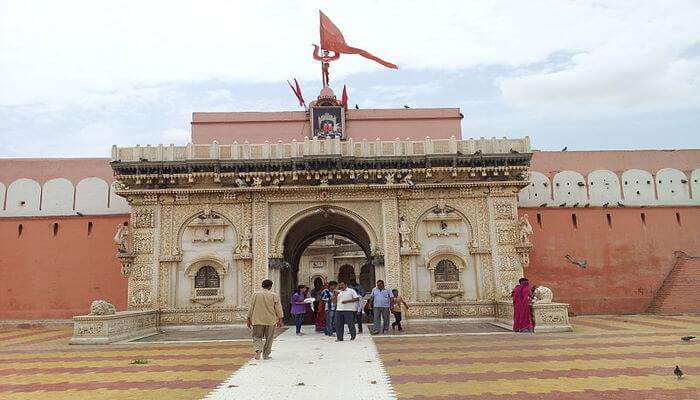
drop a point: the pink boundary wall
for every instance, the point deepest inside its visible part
(628, 260)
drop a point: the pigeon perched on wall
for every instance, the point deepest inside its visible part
(579, 263)
(678, 372)
(407, 179)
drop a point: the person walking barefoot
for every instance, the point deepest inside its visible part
(265, 313)
(396, 303)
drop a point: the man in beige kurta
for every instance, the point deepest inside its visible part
(264, 314)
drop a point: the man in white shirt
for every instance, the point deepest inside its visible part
(345, 311)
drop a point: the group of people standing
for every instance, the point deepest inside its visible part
(342, 304)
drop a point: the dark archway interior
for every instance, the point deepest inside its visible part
(307, 230)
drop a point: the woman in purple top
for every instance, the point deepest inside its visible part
(299, 307)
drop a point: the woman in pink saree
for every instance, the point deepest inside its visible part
(522, 314)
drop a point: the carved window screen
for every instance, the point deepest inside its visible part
(446, 271)
(206, 277)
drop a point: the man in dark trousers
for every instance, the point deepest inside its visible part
(346, 306)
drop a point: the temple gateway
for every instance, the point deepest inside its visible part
(435, 218)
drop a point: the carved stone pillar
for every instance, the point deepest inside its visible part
(406, 278)
(260, 240)
(167, 268)
(392, 261)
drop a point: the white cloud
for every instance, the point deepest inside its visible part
(610, 79)
(64, 49)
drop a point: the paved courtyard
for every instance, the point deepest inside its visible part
(620, 357)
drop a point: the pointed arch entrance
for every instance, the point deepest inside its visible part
(316, 224)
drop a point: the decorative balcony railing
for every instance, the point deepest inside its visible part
(320, 147)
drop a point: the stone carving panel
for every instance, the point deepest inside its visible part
(507, 233)
(392, 260)
(144, 218)
(140, 296)
(142, 241)
(504, 209)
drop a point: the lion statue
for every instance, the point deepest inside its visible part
(542, 294)
(101, 307)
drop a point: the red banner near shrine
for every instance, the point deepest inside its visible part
(332, 39)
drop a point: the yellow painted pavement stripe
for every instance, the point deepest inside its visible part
(104, 394)
(674, 323)
(18, 341)
(638, 323)
(471, 344)
(432, 355)
(135, 376)
(135, 351)
(530, 366)
(13, 332)
(533, 385)
(111, 363)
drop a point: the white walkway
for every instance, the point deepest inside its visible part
(311, 367)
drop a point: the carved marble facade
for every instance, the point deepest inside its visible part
(449, 239)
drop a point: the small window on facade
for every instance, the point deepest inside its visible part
(20, 228)
(89, 226)
(206, 278)
(55, 228)
(446, 271)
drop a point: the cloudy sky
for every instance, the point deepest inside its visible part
(78, 76)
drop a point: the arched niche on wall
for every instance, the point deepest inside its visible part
(91, 196)
(672, 186)
(442, 282)
(205, 279)
(22, 198)
(57, 197)
(695, 185)
(638, 187)
(569, 187)
(207, 237)
(603, 187)
(538, 192)
(117, 204)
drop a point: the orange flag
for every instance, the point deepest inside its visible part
(344, 98)
(332, 39)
